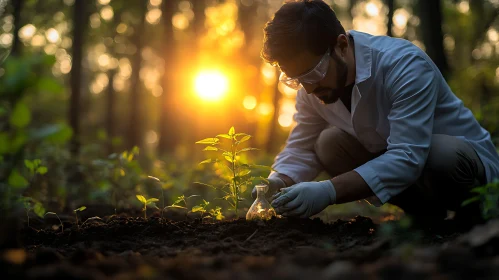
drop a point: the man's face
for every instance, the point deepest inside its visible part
(332, 86)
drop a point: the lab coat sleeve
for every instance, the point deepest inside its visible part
(412, 89)
(298, 160)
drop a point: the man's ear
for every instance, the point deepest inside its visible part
(342, 43)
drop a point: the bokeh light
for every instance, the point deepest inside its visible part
(249, 102)
(211, 85)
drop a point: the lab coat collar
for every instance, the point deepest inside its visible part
(363, 56)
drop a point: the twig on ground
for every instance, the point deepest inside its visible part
(247, 239)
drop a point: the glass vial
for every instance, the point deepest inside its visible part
(260, 209)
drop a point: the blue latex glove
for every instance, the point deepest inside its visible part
(304, 199)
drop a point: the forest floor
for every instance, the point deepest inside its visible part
(125, 247)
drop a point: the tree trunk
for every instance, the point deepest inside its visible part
(391, 10)
(16, 43)
(168, 131)
(111, 93)
(430, 13)
(79, 24)
(135, 121)
(110, 111)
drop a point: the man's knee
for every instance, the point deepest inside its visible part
(340, 152)
(453, 159)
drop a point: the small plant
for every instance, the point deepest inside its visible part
(488, 197)
(53, 213)
(76, 214)
(201, 207)
(238, 172)
(217, 213)
(35, 167)
(146, 202)
(179, 200)
(32, 204)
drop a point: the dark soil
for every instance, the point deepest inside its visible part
(122, 247)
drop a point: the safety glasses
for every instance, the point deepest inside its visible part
(311, 77)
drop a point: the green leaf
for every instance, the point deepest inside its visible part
(49, 85)
(247, 149)
(39, 209)
(205, 203)
(41, 170)
(141, 198)
(241, 134)
(29, 164)
(197, 208)
(244, 173)
(176, 206)
(59, 134)
(226, 136)
(232, 131)
(207, 185)
(21, 115)
(208, 141)
(210, 148)
(471, 200)
(194, 195)
(80, 209)
(244, 139)
(4, 143)
(229, 159)
(151, 200)
(179, 199)
(206, 161)
(16, 180)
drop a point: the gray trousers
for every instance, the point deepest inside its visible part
(452, 169)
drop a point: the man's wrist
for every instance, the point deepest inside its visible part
(328, 185)
(285, 179)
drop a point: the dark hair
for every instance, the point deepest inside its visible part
(300, 25)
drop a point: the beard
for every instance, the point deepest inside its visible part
(328, 95)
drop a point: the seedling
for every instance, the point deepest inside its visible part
(76, 214)
(53, 213)
(201, 207)
(91, 219)
(35, 167)
(239, 173)
(32, 204)
(217, 213)
(163, 187)
(146, 202)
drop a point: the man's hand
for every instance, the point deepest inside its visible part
(305, 199)
(275, 184)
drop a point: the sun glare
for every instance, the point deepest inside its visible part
(211, 85)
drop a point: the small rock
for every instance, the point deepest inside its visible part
(338, 270)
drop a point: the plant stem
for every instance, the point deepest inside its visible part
(76, 214)
(234, 173)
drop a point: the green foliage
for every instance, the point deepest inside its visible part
(146, 202)
(116, 176)
(32, 204)
(22, 80)
(201, 207)
(217, 213)
(488, 197)
(238, 174)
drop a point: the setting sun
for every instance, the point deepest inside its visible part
(211, 85)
